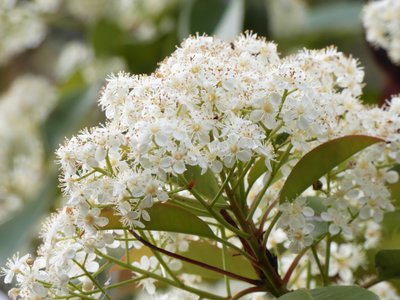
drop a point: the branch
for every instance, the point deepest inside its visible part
(195, 262)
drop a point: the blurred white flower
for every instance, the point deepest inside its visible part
(21, 28)
(286, 17)
(381, 20)
(385, 291)
(23, 108)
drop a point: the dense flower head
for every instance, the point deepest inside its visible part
(212, 106)
(381, 20)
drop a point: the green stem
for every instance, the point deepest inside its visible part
(188, 206)
(109, 166)
(73, 295)
(161, 261)
(293, 265)
(308, 282)
(117, 285)
(265, 216)
(224, 263)
(100, 170)
(100, 270)
(122, 283)
(269, 229)
(274, 282)
(248, 291)
(85, 176)
(275, 170)
(327, 259)
(214, 214)
(233, 247)
(127, 254)
(194, 203)
(222, 188)
(320, 268)
(92, 279)
(240, 181)
(275, 130)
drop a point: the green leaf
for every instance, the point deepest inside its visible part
(387, 263)
(256, 17)
(320, 226)
(231, 23)
(166, 217)
(297, 295)
(391, 224)
(212, 255)
(106, 37)
(395, 187)
(200, 16)
(332, 293)
(73, 83)
(143, 56)
(206, 184)
(17, 230)
(213, 17)
(316, 203)
(281, 138)
(258, 169)
(320, 161)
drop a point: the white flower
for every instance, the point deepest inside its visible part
(14, 266)
(372, 235)
(339, 220)
(147, 264)
(300, 238)
(89, 219)
(21, 28)
(295, 214)
(345, 259)
(385, 291)
(267, 109)
(381, 21)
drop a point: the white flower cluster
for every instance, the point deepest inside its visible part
(67, 257)
(381, 20)
(21, 151)
(214, 105)
(21, 28)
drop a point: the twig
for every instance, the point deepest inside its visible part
(194, 262)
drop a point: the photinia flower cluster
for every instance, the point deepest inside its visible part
(219, 108)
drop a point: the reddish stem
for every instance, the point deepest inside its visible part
(194, 262)
(264, 218)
